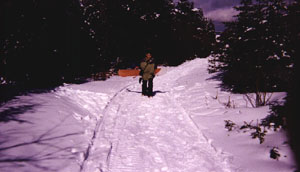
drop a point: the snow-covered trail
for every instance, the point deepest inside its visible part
(108, 126)
(152, 135)
(141, 134)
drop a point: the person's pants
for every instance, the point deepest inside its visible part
(147, 87)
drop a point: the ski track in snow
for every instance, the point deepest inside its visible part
(108, 126)
(132, 133)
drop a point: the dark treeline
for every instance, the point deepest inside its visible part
(258, 53)
(125, 29)
(42, 42)
(46, 42)
(291, 109)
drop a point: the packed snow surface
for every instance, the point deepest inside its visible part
(108, 126)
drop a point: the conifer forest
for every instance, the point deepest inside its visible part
(46, 43)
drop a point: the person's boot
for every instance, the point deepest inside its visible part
(150, 94)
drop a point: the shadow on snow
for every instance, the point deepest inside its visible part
(12, 113)
(43, 152)
(154, 92)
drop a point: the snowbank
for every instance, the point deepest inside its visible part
(109, 126)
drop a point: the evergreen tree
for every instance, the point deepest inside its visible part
(291, 104)
(194, 34)
(95, 23)
(42, 42)
(252, 52)
(125, 29)
(56, 41)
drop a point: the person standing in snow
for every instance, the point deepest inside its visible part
(147, 67)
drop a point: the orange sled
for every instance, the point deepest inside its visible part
(132, 72)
